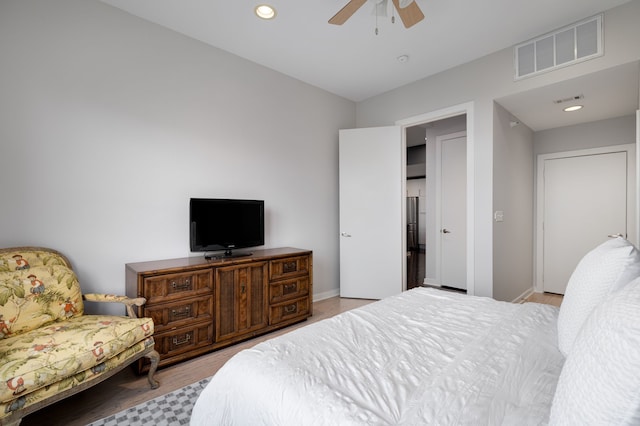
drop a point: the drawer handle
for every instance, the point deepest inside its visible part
(185, 285)
(184, 312)
(289, 288)
(289, 267)
(185, 339)
(289, 309)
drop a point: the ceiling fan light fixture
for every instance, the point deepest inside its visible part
(409, 14)
(265, 11)
(379, 8)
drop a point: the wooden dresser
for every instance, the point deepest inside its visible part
(201, 305)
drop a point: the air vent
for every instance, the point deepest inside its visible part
(569, 99)
(566, 46)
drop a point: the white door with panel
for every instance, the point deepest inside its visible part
(585, 199)
(371, 208)
(453, 209)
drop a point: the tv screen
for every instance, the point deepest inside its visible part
(224, 224)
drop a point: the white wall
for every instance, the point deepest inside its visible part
(513, 194)
(480, 82)
(614, 131)
(108, 124)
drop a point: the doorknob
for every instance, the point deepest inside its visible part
(344, 234)
(446, 231)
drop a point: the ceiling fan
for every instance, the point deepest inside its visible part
(408, 10)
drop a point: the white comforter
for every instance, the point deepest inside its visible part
(423, 357)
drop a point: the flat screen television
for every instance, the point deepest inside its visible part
(224, 224)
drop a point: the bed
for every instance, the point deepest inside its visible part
(425, 356)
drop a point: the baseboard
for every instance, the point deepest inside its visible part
(326, 294)
(431, 282)
(523, 296)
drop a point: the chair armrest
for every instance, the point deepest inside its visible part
(112, 298)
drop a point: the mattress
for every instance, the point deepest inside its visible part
(425, 356)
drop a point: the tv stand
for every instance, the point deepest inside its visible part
(228, 254)
(201, 305)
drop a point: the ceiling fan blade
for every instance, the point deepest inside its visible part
(410, 15)
(346, 12)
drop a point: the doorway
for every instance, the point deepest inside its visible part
(425, 262)
(354, 246)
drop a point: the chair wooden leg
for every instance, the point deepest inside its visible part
(154, 357)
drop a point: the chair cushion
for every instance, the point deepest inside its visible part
(34, 297)
(602, 271)
(599, 381)
(82, 379)
(49, 354)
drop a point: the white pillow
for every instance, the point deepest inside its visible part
(602, 271)
(600, 380)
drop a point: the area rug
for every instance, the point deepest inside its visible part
(173, 408)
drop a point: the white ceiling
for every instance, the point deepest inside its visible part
(350, 60)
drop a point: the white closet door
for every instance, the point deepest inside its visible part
(585, 200)
(453, 207)
(371, 234)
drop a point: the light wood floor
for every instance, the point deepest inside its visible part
(546, 298)
(126, 389)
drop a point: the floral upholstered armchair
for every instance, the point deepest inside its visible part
(49, 349)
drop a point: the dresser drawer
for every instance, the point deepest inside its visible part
(289, 310)
(184, 339)
(288, 267)
(280, 291)
(170, 315)
(166, 287)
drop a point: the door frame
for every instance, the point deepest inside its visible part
(467, 109)
(539, 212)
(638, 176)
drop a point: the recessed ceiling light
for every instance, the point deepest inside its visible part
(573, 108)
(264, 11)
